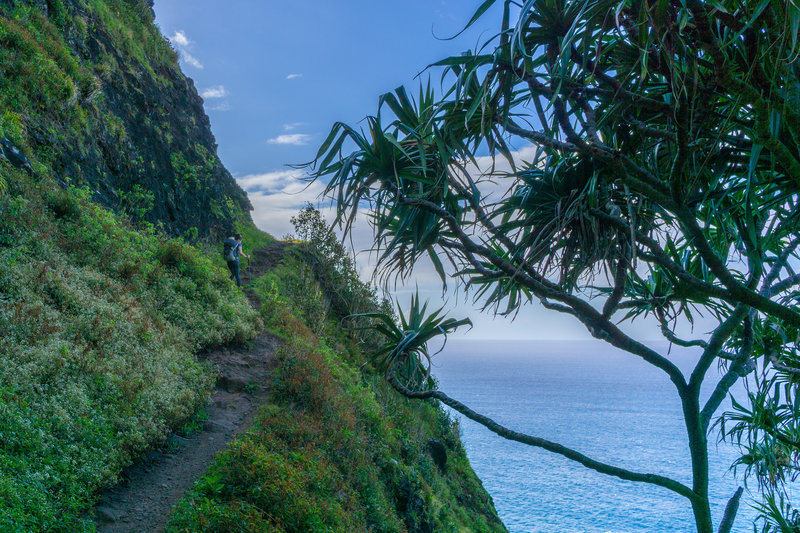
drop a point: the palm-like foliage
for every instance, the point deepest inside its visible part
(405, 351)
(665, 184)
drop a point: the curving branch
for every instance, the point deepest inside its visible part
(599, 326)
(674, 339)
(741, 365)
(737, 291)
(557, 307)
(782, 286)
(650, 131)
(660, 257)
(541, 138)
(780, 262)
(734, 292)
(620, 277)
(721, 334)
(481, 217)
(538, 442)
(776, 363)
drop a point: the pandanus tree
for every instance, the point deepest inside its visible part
(664, 184)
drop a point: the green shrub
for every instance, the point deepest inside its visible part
(334, 267)
(100, 324)
(64, 204)
(137, 202)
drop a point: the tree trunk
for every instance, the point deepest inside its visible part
(702, 515)
(698, 448)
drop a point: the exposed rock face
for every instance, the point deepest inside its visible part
(142, 122)
(14, 155)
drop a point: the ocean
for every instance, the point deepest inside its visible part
(589, 396)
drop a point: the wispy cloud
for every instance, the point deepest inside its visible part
(222, 106)
(294, 139)
(278, 196)
(293, 76)
(180, 39)
(278, 181)
(182, 44)
(293, 126)
(218, 91)
(193, 61)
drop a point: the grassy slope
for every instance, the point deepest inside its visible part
(335, 449)
(99, 320)
(100, 326)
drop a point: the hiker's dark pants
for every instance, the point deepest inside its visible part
(234, 267)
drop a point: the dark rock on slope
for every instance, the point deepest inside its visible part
(14, 155)
(141, 126)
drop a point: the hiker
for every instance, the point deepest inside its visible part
(231, 249)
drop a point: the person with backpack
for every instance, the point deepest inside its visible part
(231, 249)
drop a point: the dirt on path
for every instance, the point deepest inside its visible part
(151, 488)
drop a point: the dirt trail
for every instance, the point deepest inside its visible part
(142, 502)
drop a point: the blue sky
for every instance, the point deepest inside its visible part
(275, 75)
(284, 71)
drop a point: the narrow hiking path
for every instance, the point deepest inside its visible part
(150, 489)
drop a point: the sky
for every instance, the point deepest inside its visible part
(276, 74)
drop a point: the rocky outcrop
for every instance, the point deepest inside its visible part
(14, 156)
(131, 121)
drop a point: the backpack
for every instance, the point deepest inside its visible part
(229, 248)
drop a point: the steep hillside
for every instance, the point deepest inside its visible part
(93, 93)
(104, 152)
(100, 326)
(109, 179)
(335, 448)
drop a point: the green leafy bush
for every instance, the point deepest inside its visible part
(100, 325)
(334, 267)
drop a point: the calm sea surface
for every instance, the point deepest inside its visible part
(605, 403)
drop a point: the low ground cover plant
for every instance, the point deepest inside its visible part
(101, 326)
